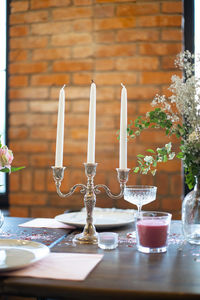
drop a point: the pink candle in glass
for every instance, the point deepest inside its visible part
(152, 233)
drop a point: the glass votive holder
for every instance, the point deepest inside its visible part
(107, 240)
(152, 231)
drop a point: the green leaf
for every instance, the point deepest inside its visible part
(13, 169)
(136, 170)
(140, 155)
(150, 150)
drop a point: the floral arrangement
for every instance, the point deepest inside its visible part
(6, 158)
(179, 115)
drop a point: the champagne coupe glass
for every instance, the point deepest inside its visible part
(139, 195)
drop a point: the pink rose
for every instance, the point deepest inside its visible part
(6, 158)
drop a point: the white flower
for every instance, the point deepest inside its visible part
(168, 147)
(148, 159)
(171, 155)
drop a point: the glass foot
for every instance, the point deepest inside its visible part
(81, 238)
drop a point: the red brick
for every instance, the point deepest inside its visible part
(39, 180)
(82, 78)
(43, 106)
(141, 92)
(78, 134)
(14, 182)
(72, 92)
(48, 80)
(26, 176)
(115, 50)
(176, 184)
(18, 106)
(104, 11)
(162, 183)
(28, 42)
(27, 68)
(137, 9)
(82, 52)
(137, 63)
(20, 159)
(50, 28)
(51, 54)
(115, 78)
(105, 37)
(80, 106)
(82, 25)
(156, 77)
(18, 81)
(104, 64)
(71, 13)
(28, 199)
(72, 66)
(29, 146)
(19, 133)
(71, 39)
(18, 55)
(132, 35)
(35, 4)
(43, 212)
(20, 211)
(44, 133)
(16, 31)
(172, 7)
(159, 21)
(114, 23)
(82, 2)
(106, 93)
(18, 6)
(28, 93)
(171, 35)
(167, 62)
(29, 17)
(109, 108)
(42, 160)
(28, 119)
(160, 49)
(171, 203)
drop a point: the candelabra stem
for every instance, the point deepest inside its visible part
(89, 234)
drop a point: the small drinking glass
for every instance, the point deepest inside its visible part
(107, 240)
(139, 195)
(152, 231)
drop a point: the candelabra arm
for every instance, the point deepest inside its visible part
(58, 175)
(122, 175)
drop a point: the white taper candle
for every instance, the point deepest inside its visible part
(60, 129)
(92, 125)
(123, 130)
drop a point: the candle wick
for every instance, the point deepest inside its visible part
(92, 81)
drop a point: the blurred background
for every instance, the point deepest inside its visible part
(51, 43)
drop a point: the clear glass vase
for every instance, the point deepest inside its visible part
(191, 215)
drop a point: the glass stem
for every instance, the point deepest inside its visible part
(139, 209)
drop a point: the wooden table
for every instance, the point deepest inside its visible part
(124, 273)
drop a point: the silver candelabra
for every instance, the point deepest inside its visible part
(89, 234)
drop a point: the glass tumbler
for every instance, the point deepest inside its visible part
(152, 231)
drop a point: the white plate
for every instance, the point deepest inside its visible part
(16, 254)
(102, 219)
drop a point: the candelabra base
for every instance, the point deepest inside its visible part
(88, 236)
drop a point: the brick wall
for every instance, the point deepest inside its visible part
(73, 41)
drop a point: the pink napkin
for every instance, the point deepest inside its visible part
(64, 266)
(45, 223)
